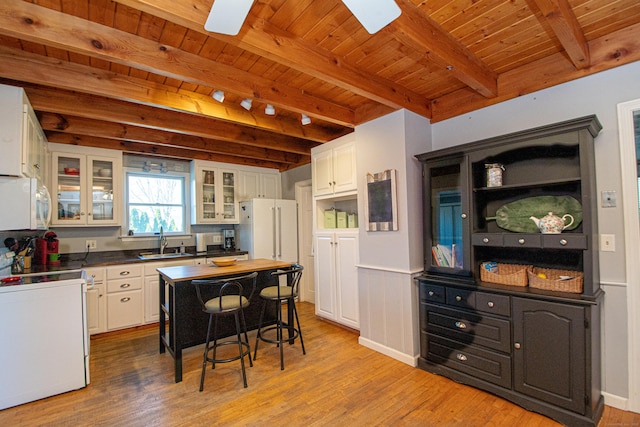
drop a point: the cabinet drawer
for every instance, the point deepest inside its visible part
(124, 271)
(124, 309)
(477, 362)
(493, 303)
(122, 285)
(468, 328)
(487, 239)
(565, 241)
(431, 293)
(523, 240)
(461, 298)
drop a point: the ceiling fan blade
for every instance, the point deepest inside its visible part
(373, 14)
(227, 16)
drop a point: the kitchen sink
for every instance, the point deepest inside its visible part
(162, 256)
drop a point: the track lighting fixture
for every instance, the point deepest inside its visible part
(246, 104)
(269, 110)
(218, 95)
(305, 119)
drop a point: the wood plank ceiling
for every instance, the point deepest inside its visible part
(138, 75)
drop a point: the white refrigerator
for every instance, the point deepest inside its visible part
(269, 229)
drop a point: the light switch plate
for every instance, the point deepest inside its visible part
(607, 243)
(609, 199)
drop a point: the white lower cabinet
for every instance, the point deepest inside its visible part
(152, 286)
(96, 302)
(124, 296)
(336, 258)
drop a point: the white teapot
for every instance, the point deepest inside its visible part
(552, 224)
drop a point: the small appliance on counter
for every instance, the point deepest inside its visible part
(229, 240)
(47, 250)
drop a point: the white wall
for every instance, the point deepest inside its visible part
(597, 94)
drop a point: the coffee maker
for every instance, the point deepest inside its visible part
(229, 239)
(47, 250)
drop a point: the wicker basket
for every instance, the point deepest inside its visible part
(552, 281)
(507, 274)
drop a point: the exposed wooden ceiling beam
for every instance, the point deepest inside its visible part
(158, 150)
(614, 49)
(265, 40)
(51, 28)
(417, 30)
(48, 71)
(564, 23)
(95, 107)
(116, 131)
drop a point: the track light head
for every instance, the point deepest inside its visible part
(218, 95)
(246, 104)
(269, 110)
(305, 119)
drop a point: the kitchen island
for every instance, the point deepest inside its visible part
(187, 324)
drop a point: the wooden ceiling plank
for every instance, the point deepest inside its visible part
(564, 23)
(258, 37)
(99, 128)
(90, 106)
(423, 34)
(157, 150)
(614, 49)
(48, 72)
(18, 18)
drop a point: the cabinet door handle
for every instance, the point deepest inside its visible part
(461, 325)
(485, 240)
(521, 241)
(458, 298)
(461, 356)
(490, 304)
(463, 216)
(125, 273)
(517, 346)
(125, 285)
(125, 299)
(431, 293)
(563, 242)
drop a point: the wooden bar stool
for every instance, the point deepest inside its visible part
(279, 294)
(232, 298)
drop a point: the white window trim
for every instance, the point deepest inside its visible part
(629, 173)
(125, 214)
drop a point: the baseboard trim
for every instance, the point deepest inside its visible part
(394, 354)
(616, 401)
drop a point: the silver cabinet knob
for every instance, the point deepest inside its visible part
(563, 242)
(490, 304)
(463, 216)
(485, 240)
(517, 346)
(431, 293)
(521, 241)
(461, 356)
(458, 298)
(461, 325)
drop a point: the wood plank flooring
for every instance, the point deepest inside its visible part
(337, 383)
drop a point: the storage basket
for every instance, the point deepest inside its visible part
(507, 274)
(552, 281)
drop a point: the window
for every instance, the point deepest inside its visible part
(156, 199)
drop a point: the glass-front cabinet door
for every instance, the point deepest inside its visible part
(447, 226)
(68, 173)
(215, 197)
(102, 188)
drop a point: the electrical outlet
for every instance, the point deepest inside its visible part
(607, 243)
(217, 239)
(91, 244)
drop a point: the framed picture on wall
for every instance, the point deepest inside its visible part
(381, 205)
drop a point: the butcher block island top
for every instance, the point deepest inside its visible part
(206, 271)
(187, 324)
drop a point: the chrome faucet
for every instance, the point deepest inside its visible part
(163, 241)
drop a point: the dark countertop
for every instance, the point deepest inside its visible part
(75, 261)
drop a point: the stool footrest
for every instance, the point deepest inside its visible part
(285, 331)
(246, 351)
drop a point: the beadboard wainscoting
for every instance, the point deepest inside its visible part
(389, 312)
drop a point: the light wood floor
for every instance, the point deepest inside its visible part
(337, 383)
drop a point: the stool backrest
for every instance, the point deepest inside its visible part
(229, 286)
(293, 274)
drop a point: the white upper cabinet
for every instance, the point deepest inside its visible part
(213, 193)
(22, 142)
(86, 189)
(334, 168)
(259, 183)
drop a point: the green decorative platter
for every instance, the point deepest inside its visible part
(516, 216)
